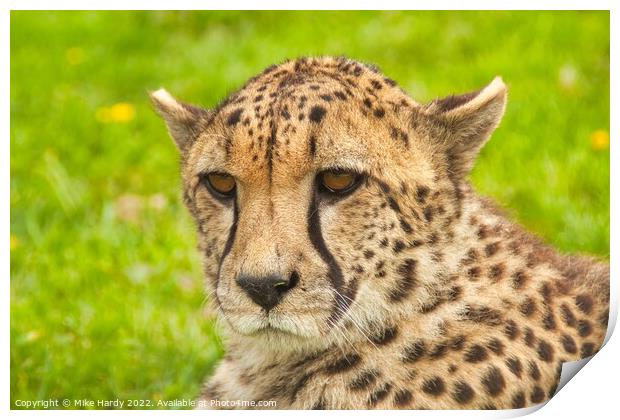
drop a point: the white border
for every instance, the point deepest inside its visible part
(307, 5)
(592, 395)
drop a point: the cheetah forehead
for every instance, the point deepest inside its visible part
(315, 77)
(311, 108)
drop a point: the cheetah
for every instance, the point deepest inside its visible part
(351, 262)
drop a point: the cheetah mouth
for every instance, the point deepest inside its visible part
(273, 329)
(274, 325)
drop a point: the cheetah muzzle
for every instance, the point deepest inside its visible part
(351, 262)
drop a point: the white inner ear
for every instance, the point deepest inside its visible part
(165, 100)
(494, 89)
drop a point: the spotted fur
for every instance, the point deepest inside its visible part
(412, 291)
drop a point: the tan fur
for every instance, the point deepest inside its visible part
(447, 305)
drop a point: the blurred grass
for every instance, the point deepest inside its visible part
(106, 288)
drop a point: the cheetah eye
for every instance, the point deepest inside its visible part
(338, 182)
(220, 184)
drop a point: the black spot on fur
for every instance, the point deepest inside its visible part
(317, 113)
(432, 304)
(518, 400)
(414, 351)
(518, 280)
(511, 330)
(421, 193)
(364, 380)
(379, 112)
(491, 249)
(398, 246)
(568, 316)
(493, 381)
(454, 293)
(496, 346)
(428, 214)
(385, 336)
(457, 343)
(233, 117)
(402, 397)
(534, 371)
(379, 394)
(496, 271)
(587, 350)
(463, 393)
(433, 386)
(389, 81)
(344, 364)
(475, 354)
(549, 320)
(514, 365)
(584, 328)
(529, 337)
(406, 227)
(545, 351)
(439, 351)
(406, 280)
(584, 303)
(537, 395)
(416, 243)
(393, 204)
(528, 306)
(473, 273)
(569, 344)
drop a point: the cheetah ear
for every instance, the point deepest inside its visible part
(468, 121)
(183, 120)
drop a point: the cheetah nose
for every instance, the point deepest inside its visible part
(267, 291)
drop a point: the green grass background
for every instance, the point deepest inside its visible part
(105, 307)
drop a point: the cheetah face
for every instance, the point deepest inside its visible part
(311, 188)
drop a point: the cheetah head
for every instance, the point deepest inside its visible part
(318, 189)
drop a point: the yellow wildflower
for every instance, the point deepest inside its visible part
(33, 335)
(122, 112)
(14, 242)
(600, 140)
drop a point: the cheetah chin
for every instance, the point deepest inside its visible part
(350, 261)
